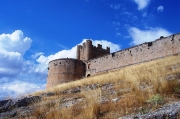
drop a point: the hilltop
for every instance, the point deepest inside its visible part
(131, 91)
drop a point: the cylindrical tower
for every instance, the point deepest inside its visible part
(64, 70)
(88, 50)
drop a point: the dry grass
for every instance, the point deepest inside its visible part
(139, 89)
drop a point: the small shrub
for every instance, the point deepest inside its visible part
(50, 104)
(177, 89)
(143, 110)
(178, 75)
(156, 99)
(161, 37)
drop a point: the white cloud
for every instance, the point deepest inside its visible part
(142, 3)
(13, 66)
(160, 9)
(12, 48)
(10, 63)
(17, 88)
(140, 36)
(15, 42)
(115, 6)
(37, 55)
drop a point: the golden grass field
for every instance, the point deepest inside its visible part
(134, 89)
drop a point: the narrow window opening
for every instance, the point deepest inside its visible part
(88, 66)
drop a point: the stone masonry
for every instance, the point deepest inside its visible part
(64, 70)
(93, 60)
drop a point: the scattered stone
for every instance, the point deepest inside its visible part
(171, 77)
(67, 102)
(177, 66)
(76, 90)
(91, 87)
(115, 99)
(170, 111)
(7, 105)
(48, 94)
(3, 102)
(107, 86)
(103, 100)
(126, 90)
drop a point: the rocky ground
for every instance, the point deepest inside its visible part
(170, 111)
(22, 107)
(14, 107)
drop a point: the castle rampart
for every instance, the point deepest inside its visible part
(92, 60)
(144, 52)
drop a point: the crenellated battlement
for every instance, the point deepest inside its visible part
(88, 51)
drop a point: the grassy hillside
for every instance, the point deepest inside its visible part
(130, 90)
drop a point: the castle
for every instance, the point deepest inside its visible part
(92, 60)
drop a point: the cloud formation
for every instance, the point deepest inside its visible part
(13, 66)
(21, 76)
(142, 3)
(160, 9)
(17, 88)
(15, 42)
(12, 48)
(140, 36)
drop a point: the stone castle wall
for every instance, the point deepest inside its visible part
(64, 70)
(93, 60)
(88, 51)
(144, 52)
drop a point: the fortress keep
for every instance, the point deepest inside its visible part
(88, 51)
(93, 60)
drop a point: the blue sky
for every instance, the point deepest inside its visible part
(33, 32)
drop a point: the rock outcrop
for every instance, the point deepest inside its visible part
(10, 108)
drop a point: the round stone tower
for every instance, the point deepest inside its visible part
(88, 50)
(64, 70)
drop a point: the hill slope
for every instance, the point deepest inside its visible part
(136, 89)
